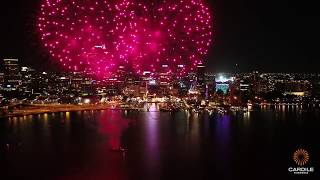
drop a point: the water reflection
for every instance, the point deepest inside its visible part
(223, 124)
(194, 128)
(161, 145)
(112, 125)
(152, 138)
(246, 119)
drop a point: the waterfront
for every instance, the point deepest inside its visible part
(160, 145)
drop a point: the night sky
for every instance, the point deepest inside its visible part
(269, 36)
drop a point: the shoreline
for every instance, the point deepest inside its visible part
(41, 109)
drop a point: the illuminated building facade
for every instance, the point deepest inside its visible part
(223, 84)
(12, 76)
(201, 80)
(1, 79)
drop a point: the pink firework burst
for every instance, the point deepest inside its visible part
(171, 34)
(85, 35)
(98, 35)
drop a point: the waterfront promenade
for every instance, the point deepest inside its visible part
(51, 108)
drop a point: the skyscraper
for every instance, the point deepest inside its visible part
(201, 84)
(1, 79)
(12, 76)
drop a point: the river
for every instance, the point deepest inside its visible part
(157, 145)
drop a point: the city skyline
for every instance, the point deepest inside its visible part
(247, 34)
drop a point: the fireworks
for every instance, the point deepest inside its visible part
(98, 35)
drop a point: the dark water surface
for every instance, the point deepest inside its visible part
(183, 145)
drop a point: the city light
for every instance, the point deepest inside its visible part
(223, 79)
(86, 101)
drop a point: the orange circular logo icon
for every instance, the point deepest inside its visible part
(301, 157)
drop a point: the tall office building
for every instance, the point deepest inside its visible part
(1, 79)
(12, 76)
(201, 82)
(165, 75)
(11, 66)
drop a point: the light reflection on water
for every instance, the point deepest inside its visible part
(151, 127)
(112, 125)
(159, 144)
(223, 131)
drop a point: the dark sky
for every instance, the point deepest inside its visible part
(269, 36)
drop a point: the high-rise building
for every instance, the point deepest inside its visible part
(11, 66)
(223, 83)
(200, 75)
(244, 86)
(1, 79)
(27, 74)
(12, 76)
(165, 75)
